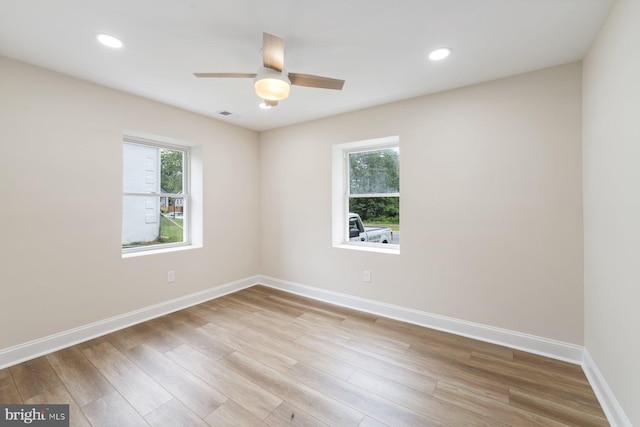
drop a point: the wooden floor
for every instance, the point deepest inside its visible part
(264, 357)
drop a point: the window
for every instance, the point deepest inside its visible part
(366, 194)
(155, 202)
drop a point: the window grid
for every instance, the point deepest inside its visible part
(155, 198)
(348, 195)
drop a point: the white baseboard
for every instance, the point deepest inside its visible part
(32, 349)
(612, 409)
(530, 343)
(533, 344)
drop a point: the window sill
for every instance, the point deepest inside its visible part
(136, 254)
(383, 249)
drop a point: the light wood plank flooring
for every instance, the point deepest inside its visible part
(265, 357)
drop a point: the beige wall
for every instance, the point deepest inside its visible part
(61, 172)
(611, 127)
(491, 204)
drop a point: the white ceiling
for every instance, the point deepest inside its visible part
(379, 47)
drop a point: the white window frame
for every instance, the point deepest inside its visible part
(185, 195)
(340, 193)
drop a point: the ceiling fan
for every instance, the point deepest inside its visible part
(272, 82)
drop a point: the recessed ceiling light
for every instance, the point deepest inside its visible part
(439, 54)
(110, 41)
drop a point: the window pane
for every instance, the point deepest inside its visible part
(150, 215)
(172, 224)
(141, 167)
(378, 212)
(374, 172)
(140, 220)
(149, 169)
(171, 170)
(151, 220)
(383, 210)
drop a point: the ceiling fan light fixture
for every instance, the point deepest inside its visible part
(272, 85)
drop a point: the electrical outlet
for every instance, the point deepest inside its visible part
(171, 276)
(366, 276)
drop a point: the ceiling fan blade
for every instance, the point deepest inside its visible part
(272, 51)
(315, 81)
(232, 75)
